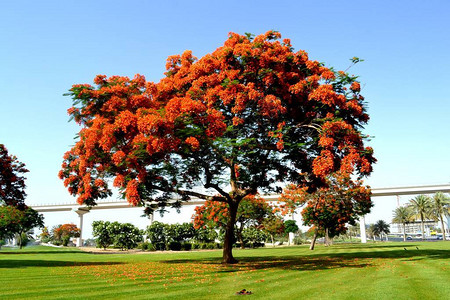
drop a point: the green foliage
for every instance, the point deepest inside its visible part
(380, 227)
(290, 226)
(205, 235)
(300, 240)
(102, 234)
(174, 246)
(17, 221)
(186, 246)
(156, 233)
(161, 246)
(45, 236)
(120, 235)
(65, 240)
(164, 234)
(146, 246)
(253, 237)
(125, 235)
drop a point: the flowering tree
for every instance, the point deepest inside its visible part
(234, 122)
(272, 226)
(215, 214)
(64, 232)
(12, 181)
(330, 208)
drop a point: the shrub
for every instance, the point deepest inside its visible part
(143, 246)
(156, 233)
(65, 240)
(174, 246)
(161, 246)
(299, 240)
(186, 246)
(205, 235)
(212, 246)
(253, 237)
(146, 246)
(257, 244)
(101, 232)
(126, 236)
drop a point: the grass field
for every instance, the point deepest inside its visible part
(352, 271)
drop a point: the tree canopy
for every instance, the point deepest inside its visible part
(18, 221)
(403, 215)
(329, 209)
(12, 181)
(233, 123)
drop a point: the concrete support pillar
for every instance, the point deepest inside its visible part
(80, 212)
(291, 234)
(362, 228)
(151, 217)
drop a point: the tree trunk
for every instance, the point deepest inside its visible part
(273, 242)
(20, 240)
(404, 232)
(313, 242)
(227, 257)
(327, 238)
(443, 227)
(423, 227)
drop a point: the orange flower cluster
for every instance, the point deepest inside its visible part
(332, 207)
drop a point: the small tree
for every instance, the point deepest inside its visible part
(156, 233)
(126, 235)
(421, 208)
(63, 233)
(290, 226)
(251, 212)
(403, 215)
(329, 209)
(102, 234)
(253, 236)
(17, 222)
(12, 181)
(9, 220)
(179, 232)
(272, 226)
(45, 235)
(380, 228)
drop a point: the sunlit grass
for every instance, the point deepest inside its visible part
(354, 271)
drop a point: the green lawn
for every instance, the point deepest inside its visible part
(353, 271)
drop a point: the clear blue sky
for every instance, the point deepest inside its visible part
(46, 46)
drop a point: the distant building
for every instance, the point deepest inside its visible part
(415, 228)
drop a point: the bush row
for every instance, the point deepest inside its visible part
(178, 246)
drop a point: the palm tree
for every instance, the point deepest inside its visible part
(421, 208)
(403, 215)
(440, 207)
(381, 227)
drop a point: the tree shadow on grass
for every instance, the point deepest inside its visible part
(41, 252)
(372, 246)
(319, 261)
(12, 264)
(400, 252)
(300, 263)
